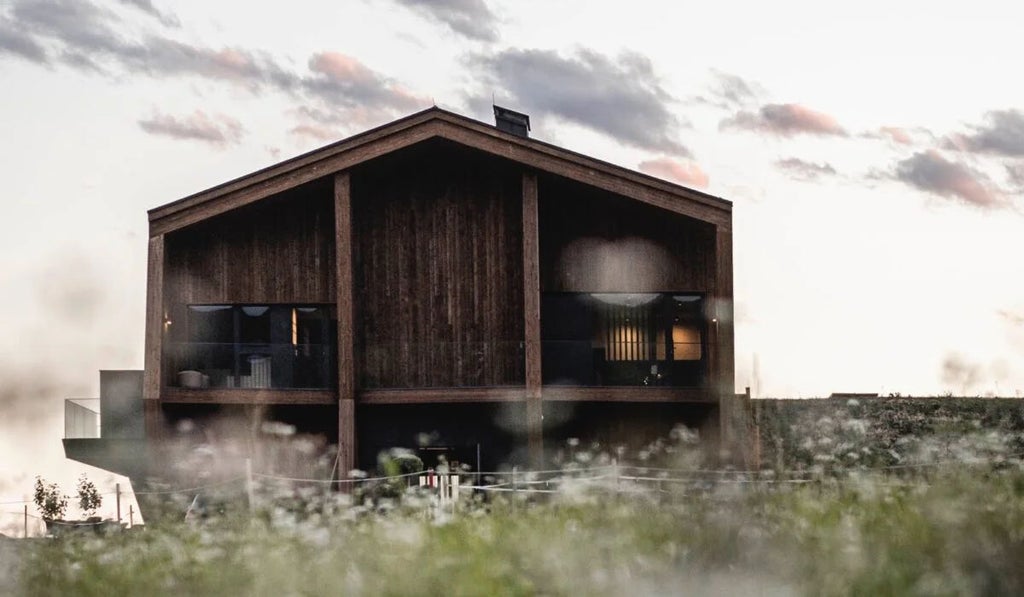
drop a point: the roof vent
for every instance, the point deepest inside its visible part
(511, 121)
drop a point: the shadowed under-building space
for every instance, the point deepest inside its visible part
(436, 284)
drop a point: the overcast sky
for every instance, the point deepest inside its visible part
(874, 155)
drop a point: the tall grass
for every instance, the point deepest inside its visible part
(910, 523)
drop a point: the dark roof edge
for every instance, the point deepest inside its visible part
(423, 116)
(415, 116)
(715, 201)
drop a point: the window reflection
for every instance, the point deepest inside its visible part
(254, 346)
(622, 339)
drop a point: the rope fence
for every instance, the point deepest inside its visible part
(529, 481)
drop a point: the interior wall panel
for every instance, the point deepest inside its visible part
(594, 241)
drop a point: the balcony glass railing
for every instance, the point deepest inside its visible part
(81, 418)
(397, 364)
(581, 363)
(197, 365)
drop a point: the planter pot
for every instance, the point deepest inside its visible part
(190, 379)
(58, 528)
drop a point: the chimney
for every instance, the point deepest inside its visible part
(511, 121)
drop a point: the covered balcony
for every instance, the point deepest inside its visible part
(252, 347)
(623, 339)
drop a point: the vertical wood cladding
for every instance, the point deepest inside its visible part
(438, 269)
(594, 241)
(280, 250)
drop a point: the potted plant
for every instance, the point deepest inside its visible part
(53, 504)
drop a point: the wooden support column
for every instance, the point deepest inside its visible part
(156, 327)
(723, 380)
(346, 326)
(531, 310)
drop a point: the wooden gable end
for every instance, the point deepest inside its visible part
(419, 127)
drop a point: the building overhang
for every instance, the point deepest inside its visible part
(128, 457)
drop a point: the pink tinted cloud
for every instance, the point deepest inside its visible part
(232, 60)
(684, 172)
(896, 134)
(346, 79)
(217, 129)
(785, 120)
(929, 171)
(340, 66)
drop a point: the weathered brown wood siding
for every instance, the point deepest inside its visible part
(280, 250)
(153, 376)
(438, 269)
(346, 325)
(594, 241)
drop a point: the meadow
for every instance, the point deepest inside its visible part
(873, 498)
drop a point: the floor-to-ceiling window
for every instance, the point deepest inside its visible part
(623, 339)
(254, 346)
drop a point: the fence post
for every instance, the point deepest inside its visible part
(515, 489)
(26, 521)
(248, 484)
(117, 491)
(131, 516)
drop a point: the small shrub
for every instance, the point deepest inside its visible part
(89, 499)
(51, 502)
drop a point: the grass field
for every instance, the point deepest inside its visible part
(939, 511)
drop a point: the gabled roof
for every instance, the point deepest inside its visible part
(437, 123)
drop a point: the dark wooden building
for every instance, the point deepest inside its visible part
(440, 284)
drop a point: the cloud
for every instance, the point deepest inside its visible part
(785, 120)
(905, 136)
(622, 98)
(895, 134)
(88, 37)
(734, 89)
(1015, 172)
(805, 171)
(82, 24)
(342, 79)
(17, 42)
(1002, 134)
(218, 130)
(684, 172)
(147, 7)
(469, 18)
(319, 133)
(85, 36)
(1012, 318)
(730, 91)
(930, 172)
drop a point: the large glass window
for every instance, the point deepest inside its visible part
(254, 346)
(612, 339)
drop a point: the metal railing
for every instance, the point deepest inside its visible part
(587, 363)
(197, 365)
